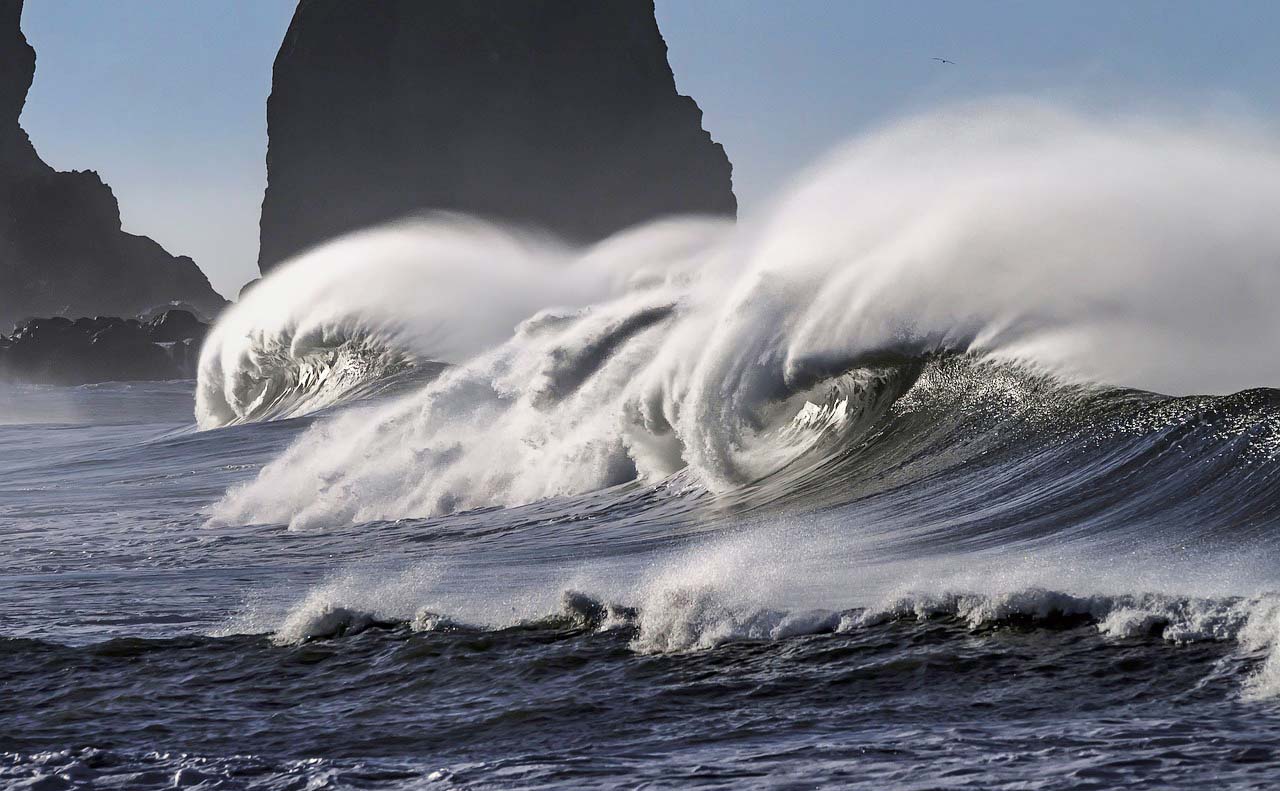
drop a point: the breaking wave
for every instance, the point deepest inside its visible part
(325, 327)
(1031, 240)
(682, 619)
(929, 378)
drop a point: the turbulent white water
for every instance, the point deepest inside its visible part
(1129, 251)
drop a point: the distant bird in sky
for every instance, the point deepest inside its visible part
(944, 60)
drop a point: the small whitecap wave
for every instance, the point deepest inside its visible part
(1251, 622)
(675, 617)
(687, 615)
(700, 618)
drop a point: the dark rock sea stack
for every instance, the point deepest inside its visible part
(62, 250)
(561, 115)
(61, 351)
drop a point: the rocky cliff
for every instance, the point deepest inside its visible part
(557, 114)
(62, 250)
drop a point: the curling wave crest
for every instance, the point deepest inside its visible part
(1090, 250)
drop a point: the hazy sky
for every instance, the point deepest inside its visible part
(167, 98)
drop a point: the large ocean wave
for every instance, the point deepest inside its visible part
(1053, 251)
(926, 384)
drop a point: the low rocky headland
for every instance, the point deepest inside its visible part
(58, 350)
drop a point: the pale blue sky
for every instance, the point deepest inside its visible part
(167, 98)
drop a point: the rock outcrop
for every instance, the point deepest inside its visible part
(62, 250)
(556, 114)
(60, 351)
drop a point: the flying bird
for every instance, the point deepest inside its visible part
(944, 60)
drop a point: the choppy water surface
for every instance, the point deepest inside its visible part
(1085, 605)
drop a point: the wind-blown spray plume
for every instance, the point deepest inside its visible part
(344, 316)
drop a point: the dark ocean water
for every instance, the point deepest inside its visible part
(957, 588)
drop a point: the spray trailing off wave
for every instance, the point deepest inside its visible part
(343, 318)
(1097, 251)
